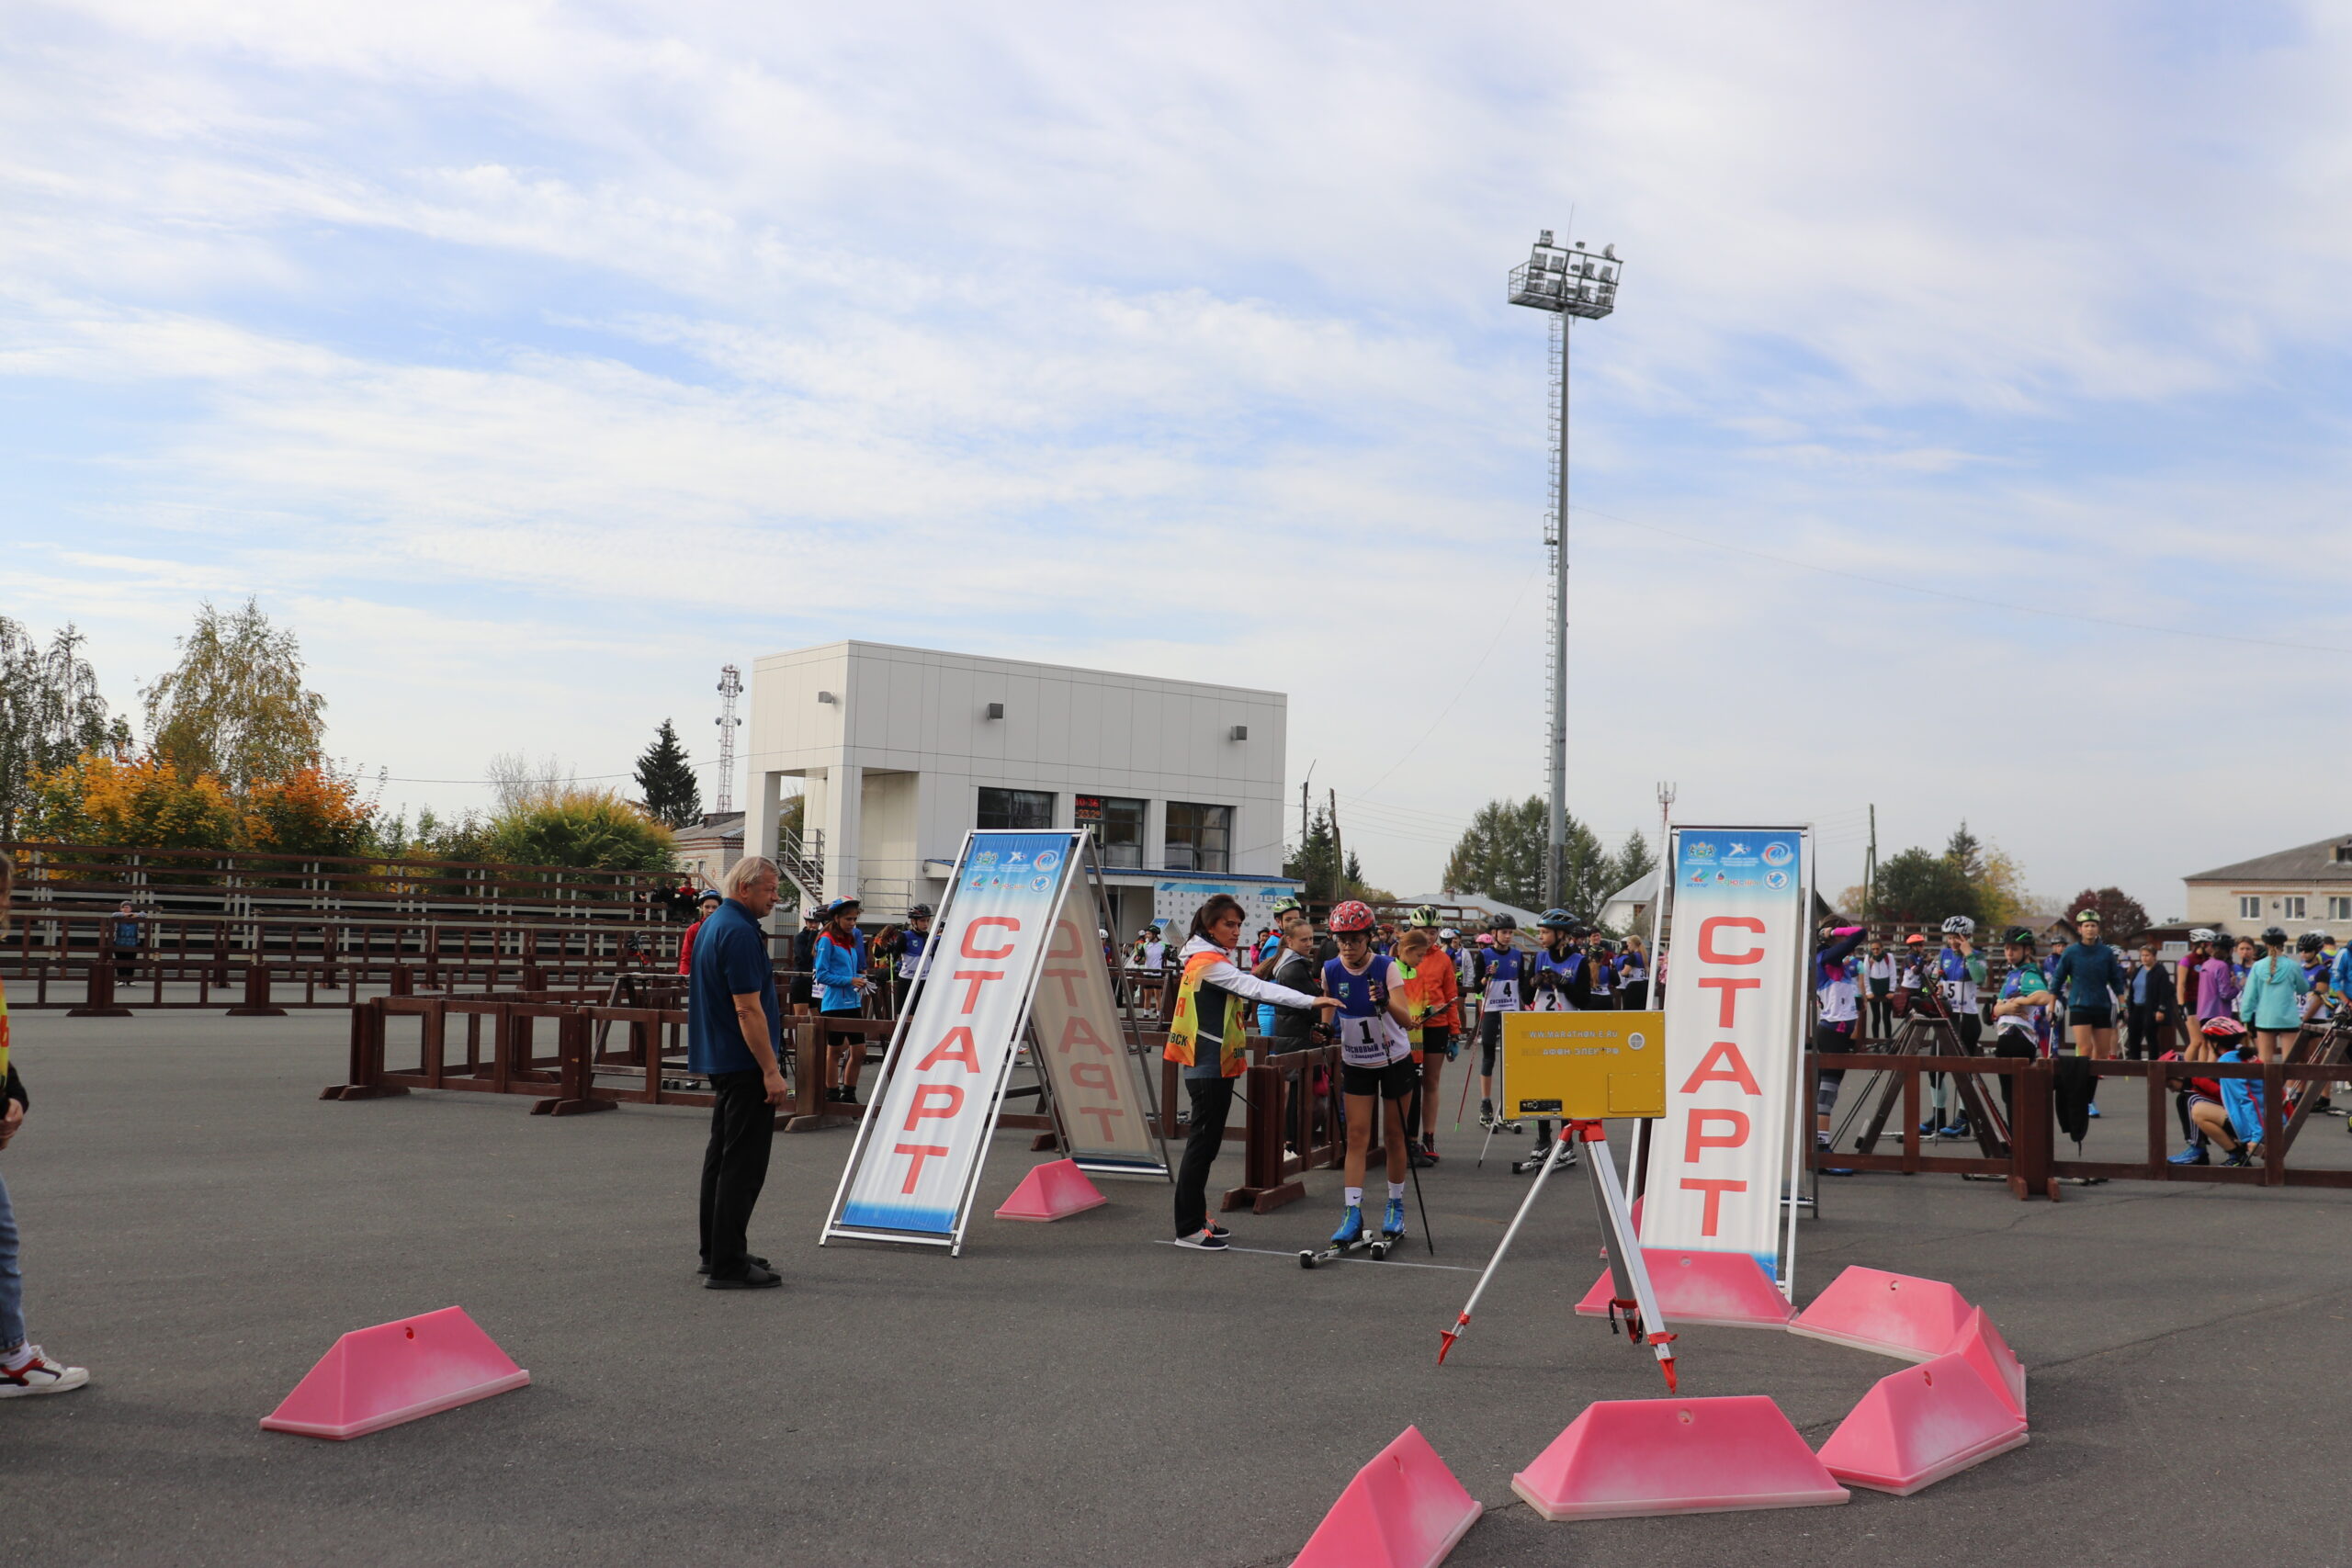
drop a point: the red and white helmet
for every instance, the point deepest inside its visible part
(1354, 915)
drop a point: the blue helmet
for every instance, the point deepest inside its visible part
(1557, 920)
(838, 905)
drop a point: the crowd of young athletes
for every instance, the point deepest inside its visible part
(1401, 1003)
(2228, 999)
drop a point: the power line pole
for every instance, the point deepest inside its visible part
(1870, 868)
(1664, 819)
(1566, 281)
(1339, 852)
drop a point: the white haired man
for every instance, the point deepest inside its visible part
(734, 1027)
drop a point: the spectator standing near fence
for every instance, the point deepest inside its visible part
(804, 961)
(2272, 1003)
(124, 929)
(1877, 975)
(734, 1031)
(2152, 1007)
(711, 900)
(24, 1368)
(2090, 977)
(838, 971)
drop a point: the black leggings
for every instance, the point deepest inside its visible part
(1882, 1015)
(1490, 1039)
(1211, 1101)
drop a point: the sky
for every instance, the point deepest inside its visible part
(1968, 443)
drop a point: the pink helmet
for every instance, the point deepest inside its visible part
(1354, 915)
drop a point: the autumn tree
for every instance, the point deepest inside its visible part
(235, 706)
(50, 712)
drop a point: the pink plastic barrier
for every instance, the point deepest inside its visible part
(379, 1377)
(1982, 1344)
(1051, 1191)
(1894, 1315)
(1403, 1510)
(1726, 1288)
(1627, 1456)
(1920, 1425)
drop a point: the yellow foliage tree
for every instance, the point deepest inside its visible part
(97, 799)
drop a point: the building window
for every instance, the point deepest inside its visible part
(1117, 825)
(2295, 909)
(2339, 909)
(1030, 808)
(1199, 837)
(2249, 903)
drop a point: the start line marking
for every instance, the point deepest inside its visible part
(1385, 1263)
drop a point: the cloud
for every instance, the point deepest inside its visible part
(535, 360)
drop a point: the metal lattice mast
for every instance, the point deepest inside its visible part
(731, 687)
(1566, 281)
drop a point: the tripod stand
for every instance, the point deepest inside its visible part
(1629, 1274)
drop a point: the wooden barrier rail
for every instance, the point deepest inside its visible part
(2031, 1167)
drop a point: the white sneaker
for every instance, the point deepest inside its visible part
(40, 1375)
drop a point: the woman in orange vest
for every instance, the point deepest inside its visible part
(1207, 1036)
(1433, 997)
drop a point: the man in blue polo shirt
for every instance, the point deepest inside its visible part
(734, 1025)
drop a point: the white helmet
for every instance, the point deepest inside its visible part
(2202, 933)
(1959, 925)
(1102, 933)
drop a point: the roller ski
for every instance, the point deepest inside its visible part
(1352, 1238)
(1563, 1156)
(1489, 1121)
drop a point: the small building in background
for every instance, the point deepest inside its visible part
(900, 752)
(705, 851)
(2306, 888)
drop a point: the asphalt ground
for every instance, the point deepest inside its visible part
(199, 1227)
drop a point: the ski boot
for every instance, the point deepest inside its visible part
(1348, 1239)
(1392, 1220)
(1536, 1157)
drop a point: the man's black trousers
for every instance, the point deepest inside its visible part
(734, 1167)
(1212, 1099)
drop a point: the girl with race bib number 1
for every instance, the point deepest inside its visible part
(1375, 1062)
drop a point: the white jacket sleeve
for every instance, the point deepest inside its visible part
(1243, 984)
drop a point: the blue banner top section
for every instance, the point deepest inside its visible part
(1738, 863)
(1015, 863)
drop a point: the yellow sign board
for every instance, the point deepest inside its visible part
(1584, 1066)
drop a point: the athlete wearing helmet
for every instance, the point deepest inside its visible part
(1502, 989)
(1559, 979)
(913, 955)
(2311, 951)
(1958, 974)
(1423, 915)
(2090, 975)
(1205, 1038)
(2272, 1000)
(2228, 1111)
(2021, 1015)
(1377, 1072)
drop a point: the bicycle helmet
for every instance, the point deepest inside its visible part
(2311, 942)
(1352, 916)
(2222, 1026)
(1959, 925)
(2090, 915)
(2018, 937)
(1486, 939)
(838, 905)
(1425, 915)
(2274, 936)
(918, 911)
(1450, 934)
(1557, 920)
(1918, 937)
(710, 895)
(2202, 933)
(1501, 923)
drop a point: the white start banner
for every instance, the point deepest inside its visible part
(919, 1150)
(1720, 1156)
(1091, 1068)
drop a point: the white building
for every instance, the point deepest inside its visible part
(900, 752)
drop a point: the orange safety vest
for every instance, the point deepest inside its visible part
(1184, 1027)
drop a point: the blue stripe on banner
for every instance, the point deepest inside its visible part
(900, 1217)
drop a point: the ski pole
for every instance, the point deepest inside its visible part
(1470, 1305)
(1415, 1171)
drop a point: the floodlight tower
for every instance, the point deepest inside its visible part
(730, 686)
(1566, 281)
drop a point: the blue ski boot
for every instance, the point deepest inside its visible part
(1350, 1229)
(1392, 1219)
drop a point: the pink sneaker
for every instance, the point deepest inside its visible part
(40, 1375)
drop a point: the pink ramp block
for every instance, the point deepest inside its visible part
(1980, 1345)
(1403, 1510)
(1919, 1425)
(1052, 1191)
(1894, 1315)
(1726, 1288)
(379, 1377)
(1628, 1457)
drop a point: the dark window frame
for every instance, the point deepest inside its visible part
(1013, 807)
(1209, 844)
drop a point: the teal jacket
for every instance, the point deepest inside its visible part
(2275, 989)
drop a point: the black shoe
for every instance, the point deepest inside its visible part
(704, 1266)
(848, 1097)
(752, 1279)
